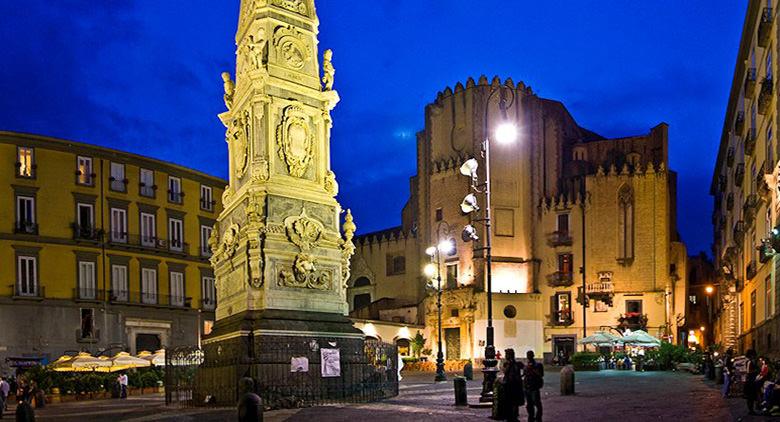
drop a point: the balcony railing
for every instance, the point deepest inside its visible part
(750, 141)
(117, 185)
(765, 27)
(739, 231)
(26, 227)
(28, 292)
(86, 233)
(88, 294)
(751, 270)
(151, 243)
(148, 298)
(175, 196)
(765, 96)
(730, 155)
(560, 279)
(118, 295)
(207, 205)
(739, 174)
(761, 186)
(146, 190)
(750, 208)
(739, 123)
(208, 304)
(559, 238)
(750, 82)
(600, 288)
(561, 318)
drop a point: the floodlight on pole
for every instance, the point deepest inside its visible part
(469, 233)
(430, 250)
(446, 247)
(506, 133)
(469, 204)
(469, 168)
(429, 270)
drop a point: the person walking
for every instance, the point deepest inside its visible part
(5, 387)
(122, 380)
(728, 371)
(750, 391)
(533, 376)
(513, 385)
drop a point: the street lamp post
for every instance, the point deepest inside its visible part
(435, 253)
(506, 132)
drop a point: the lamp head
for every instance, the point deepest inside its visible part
(447, 246)
(429, 270)
(469, 204)
(709, 290)
(430, 250)
(469, 168)
(469, 234)
(506, 133)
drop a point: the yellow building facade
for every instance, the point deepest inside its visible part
(745, 189)
(556, 276)
(101, 249)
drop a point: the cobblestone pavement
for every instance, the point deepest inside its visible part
(605, 395)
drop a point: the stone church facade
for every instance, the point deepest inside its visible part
(555, 178)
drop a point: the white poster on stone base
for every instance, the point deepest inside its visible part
(331, 362)
(299, 364)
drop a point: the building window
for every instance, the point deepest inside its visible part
(85, 221)
(769, 64)
(26, 276)
(634, 307)
(361, 301)
(25, 215)
(119, 286)
(625, 225)
(87, 283)
(452, 275)
(563, 225)
(741, 317)
(118, 225)
(174, 190)
(177, 288)
(84, 175)
(146, 186)
(87, 330)
(752, 309)
(396, 264)
(206, 198)
(205, 234)
(565, 263)
(148, 230)
(769, 302)
(209, 293)
(562, 307)
(176, 234)
(770, 150)
(25, 162)
(148, 285)
(439, 214)
(118, 182)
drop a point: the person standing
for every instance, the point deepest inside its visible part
(533, 375)
(513, 385)
(4, 389)
(728, 371)
(750, 391)
(122, 379)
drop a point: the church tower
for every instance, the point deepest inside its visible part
(279, 257)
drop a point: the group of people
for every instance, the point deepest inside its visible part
(760, 390)
(522, 385)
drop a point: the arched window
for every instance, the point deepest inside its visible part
(404, 346)
(361, 282)
(625, 225)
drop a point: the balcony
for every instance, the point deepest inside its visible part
(117, 185)
(561, 318)
(88, 294)
(152, 243)
(26, 227)
(730, 201)
(730, 156)
(739, 174)
(750, 82)
(739, 123)
(601, 288)
(175, 197)
(559, 238)
(766, 94)
(560, 279)
(765, 27)
(750, 141)
(208, 304)
(739, 231)
(146, 190)
(765, 251)
(750, 208)
(35, 292)
(149, 299)
(118, 296)
(751, 270)
(86, 233)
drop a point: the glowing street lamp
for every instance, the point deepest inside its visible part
(432, 271)
(709, 290)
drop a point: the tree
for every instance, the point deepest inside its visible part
(418, 343)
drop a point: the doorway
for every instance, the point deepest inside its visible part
(452, 341)
(563, 348)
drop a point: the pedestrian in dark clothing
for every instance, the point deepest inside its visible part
(728, 371)
(750, 390)
(513, 385)
(533, 377)
(250, 405)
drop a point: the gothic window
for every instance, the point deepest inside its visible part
(625, 224)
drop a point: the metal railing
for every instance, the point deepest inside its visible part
(750, 82)
(207, 205)
(88, 293)
(147, 191)
(765, 27)
(177, 197)
(750, 141)
(151, 243)
(208, 304)
(766, 94)
(26, 227)
(600, 287)
(117, 185)
(560, 279)
(86, 232)
(149, 298)
(739, 122)
(561, 318)
(33, 292)
(559, 238)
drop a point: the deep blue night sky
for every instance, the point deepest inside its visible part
(143, 76)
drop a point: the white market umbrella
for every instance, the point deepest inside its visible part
(157, 358)
(640, 338)
(600, 338)
(124, 360)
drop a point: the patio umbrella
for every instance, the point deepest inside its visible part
(83, 362)
(641, 338)
(157, 358)
(123, 360)
(600, 338)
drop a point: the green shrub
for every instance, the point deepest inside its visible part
(585, 360)
(148, 379)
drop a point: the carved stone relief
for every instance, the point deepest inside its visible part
(291, 47)
(331, 186)
(305, 233)
(295, 140)
(297, 6)
(261, 171)
(240, 134)
(227, 248)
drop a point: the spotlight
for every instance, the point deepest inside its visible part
(429, 270)
(469, 168)
(447, 247)
(469, 204)
(469, 234)
(430, 250)
(709, 290)
(506, 133)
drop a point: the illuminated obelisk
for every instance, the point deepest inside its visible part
(280, 259)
